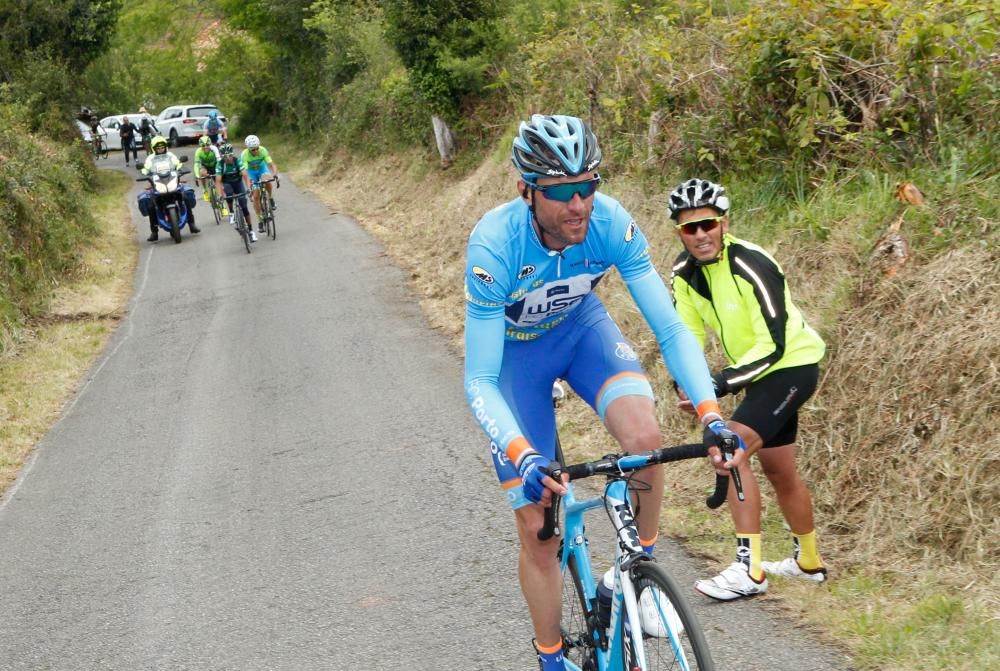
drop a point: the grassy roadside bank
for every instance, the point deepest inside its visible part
(41, 371)
(898, 612)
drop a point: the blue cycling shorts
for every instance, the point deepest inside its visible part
(258, 175)
(587, 350)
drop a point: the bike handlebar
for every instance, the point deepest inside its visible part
(619, 464)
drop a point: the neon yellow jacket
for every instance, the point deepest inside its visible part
(744, 299)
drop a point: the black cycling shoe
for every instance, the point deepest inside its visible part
(153, 237)
(194, 229)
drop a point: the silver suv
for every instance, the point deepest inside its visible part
(185, 123)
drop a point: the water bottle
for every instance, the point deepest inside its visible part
(605, 592)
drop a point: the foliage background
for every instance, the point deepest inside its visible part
(809, 112)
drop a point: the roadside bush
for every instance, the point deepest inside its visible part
(42, 219)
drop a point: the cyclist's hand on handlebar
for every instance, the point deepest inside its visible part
(536, 480)
(720, 441)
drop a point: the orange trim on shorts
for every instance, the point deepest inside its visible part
(706, 407)
(612, 379)
(510, 484)
(517, 449)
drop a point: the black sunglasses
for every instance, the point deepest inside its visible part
(691, 227)
(565, 192)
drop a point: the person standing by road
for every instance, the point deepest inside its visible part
(738, 291)
(532, 317)
(128, 132)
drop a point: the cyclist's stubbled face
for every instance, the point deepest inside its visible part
(560, 224)
(701, 244)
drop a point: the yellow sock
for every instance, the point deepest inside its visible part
(805, 551)
(748, 554)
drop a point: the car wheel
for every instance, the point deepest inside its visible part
(175, 141)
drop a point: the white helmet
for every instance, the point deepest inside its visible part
(696, 193)
(252, 142)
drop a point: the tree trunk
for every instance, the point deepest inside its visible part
(445, 140)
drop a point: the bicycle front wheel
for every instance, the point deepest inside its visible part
(673, 639)
(575, 623)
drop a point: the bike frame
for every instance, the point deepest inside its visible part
(624, 599)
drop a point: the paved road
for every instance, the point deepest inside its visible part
(272, 467)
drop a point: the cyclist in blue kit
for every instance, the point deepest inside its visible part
(532, 317)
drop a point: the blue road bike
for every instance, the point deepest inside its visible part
(621, 640)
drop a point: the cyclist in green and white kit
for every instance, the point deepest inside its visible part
(206, 158)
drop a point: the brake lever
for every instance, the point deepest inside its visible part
(728, 454)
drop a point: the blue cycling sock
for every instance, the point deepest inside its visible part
(552, 659)
(648, 545)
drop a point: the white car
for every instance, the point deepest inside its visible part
(185, 123)
(110, 124)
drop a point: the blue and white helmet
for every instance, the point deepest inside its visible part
(695, 193)
(554, 146)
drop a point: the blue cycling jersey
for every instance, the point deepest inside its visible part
(517, 289)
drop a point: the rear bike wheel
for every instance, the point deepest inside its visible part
(242, 227)
(102, 148)
(681, 643)
(577, 621)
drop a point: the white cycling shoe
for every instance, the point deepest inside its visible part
(789, 568)
(733, 583)
(657, 614)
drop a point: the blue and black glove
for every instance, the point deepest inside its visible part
(533, 470)
(719, 435)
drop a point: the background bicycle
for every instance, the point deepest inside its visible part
(99, 147)
(209, 194)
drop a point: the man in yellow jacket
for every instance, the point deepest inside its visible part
(739, 292)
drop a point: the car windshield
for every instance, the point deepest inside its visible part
(202, 111)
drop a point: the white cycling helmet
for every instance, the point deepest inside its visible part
(252, 142)
(695, 193)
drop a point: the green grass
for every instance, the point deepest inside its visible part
(52, 352)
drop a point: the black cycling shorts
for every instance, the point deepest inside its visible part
(771, 405)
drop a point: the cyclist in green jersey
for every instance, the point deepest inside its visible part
(206, 158)
(232, 181)
(738, 291)
(260, 167)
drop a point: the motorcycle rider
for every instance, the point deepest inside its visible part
(159, 145)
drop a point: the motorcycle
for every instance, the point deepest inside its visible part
(171, 200)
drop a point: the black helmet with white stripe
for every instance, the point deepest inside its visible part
(695, 193)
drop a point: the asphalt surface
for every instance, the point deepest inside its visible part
(272, 466)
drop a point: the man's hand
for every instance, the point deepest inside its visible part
(537, 483)
(726, 449)
(684, 403)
